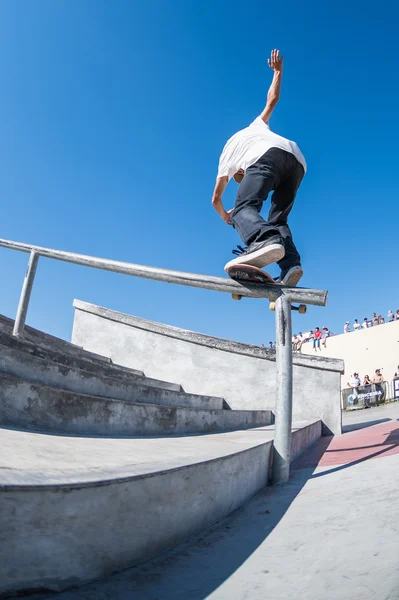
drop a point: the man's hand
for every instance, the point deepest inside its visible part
(275, 62)
(227, 216)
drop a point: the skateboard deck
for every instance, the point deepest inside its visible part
(249, 273)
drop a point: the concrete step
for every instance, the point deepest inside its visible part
(73, 360)
(27, 405)
(75, 509)
(51, 342)
(129, 389)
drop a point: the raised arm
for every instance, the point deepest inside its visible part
(275, 62)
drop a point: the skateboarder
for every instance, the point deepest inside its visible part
(262, 161)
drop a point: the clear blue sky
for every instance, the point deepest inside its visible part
(113, 116)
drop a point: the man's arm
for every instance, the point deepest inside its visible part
(275, 62)
(221, 183)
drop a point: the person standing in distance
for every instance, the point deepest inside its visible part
(262, 161)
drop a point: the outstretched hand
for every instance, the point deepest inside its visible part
(275, 62)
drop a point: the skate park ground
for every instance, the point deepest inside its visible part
(331, 533)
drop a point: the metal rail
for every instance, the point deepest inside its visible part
(282, 296)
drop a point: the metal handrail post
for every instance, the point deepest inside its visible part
(20, 319)
(283, 412)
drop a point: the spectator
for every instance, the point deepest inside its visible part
(378, 377)
(381, 320)
(311, 335)
(390, 316)
(397, 315)
(316, 339)
(324, 335)
(356, 325)
(365, 323)
(271, 345)
(347, 328)
(367, 380)
(355, 381)
(396, 376)
(299, 342)
(294, 343)
(274, 345)
(374, 320)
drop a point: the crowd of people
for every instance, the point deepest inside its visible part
(355, 380)
(317, 336)
(380, 320)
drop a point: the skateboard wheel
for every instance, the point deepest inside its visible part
(302, 309)
(272, 306)
(236, 296)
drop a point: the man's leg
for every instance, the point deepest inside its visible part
(259, 179)
(281, 204)
(265, 245)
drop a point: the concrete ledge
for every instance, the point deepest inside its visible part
(317, 362)
(61, 527)
(129, 389)
(304, 435)
(34, 406)
(244, 375)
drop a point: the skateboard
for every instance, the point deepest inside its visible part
(251, 274)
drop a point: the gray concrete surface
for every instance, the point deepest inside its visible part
(30, 458)
(130, 388)
(28, 405)
(242, 374)
(64, 520)
(72, 357)
(50, 341)
(330, 534)
(358, 419)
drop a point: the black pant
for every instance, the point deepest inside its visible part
(276, 170)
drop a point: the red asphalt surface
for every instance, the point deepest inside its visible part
(376, 441)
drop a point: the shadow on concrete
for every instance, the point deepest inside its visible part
(118, 436)
(357, 461)
(354, 426)
(195, 569)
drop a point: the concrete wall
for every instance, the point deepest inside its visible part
(364, 351)
(242, 374)
(62, 536)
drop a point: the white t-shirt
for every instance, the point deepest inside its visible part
(245, 147)
(356, 325)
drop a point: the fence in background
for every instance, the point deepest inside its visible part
(367, 396)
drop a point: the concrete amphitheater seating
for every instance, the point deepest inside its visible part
(103, 467)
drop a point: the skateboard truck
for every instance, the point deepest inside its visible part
(301, 308)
